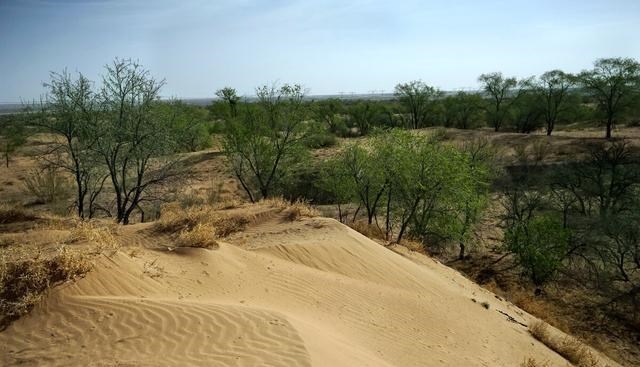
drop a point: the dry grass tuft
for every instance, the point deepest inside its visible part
(369, 230)
(100, 235)
(12, 215)
(568, 347)
(201, 236)
(414, 246)
(23, 282)
(540, 331)
(226, 225)
(199, 226)
(292, 210)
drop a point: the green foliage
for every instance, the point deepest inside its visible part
(527, 112)
(615, 84)
(417, 184)
(318, 136)
(540, 244)
(463, 110)
(500, 90)
(229, 98)
(265, 143)
(553, 88)
(189, 124)
(13, 135)
(417, 98)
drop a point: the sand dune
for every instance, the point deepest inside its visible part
(306, 293)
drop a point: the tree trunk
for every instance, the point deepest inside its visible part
(461, 254)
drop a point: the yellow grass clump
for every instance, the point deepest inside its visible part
(200, 236)
(100, 235)
(292, 210)
(570, 348)
(199, 226)
(369, 230)
(24, 281)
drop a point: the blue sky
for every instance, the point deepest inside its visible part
(328, 46)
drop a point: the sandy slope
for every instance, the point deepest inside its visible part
(308, 293)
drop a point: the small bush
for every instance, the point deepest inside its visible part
(23, 282)
(321, 140)
(201, 236)
(540, 331)
(568, 347)
(99, 235)
(369, 230)
(199, 226)
(292, 210)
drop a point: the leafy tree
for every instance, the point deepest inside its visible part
(553, 86)
(502, 92)
(462, 110)
(416, 97)
(328, 111)
(367, 179)
(469, 205)
(14, 135)
(613, 83)
(71, 113)
(229, 96)
(134, 138)
(540, 244)
(528, 111)
(363, 115)
(267, 140)
(188, 123)
(336, 179)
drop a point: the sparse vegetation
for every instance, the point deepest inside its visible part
(24, 281)
(11, 214)
(570, 348)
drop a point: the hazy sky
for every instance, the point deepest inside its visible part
(328, 46)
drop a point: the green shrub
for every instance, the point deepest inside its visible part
(539, 244)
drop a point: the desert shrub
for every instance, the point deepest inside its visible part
(568, 347)
(299, 209)
(319, 137)
(100, 236)
(12, 215)
(24, 281)
(539, 244)
(266, 142)
(190, 199)
(291, 210)
(369, 230)
(48, 185)
(199, 226)
(200, 236)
